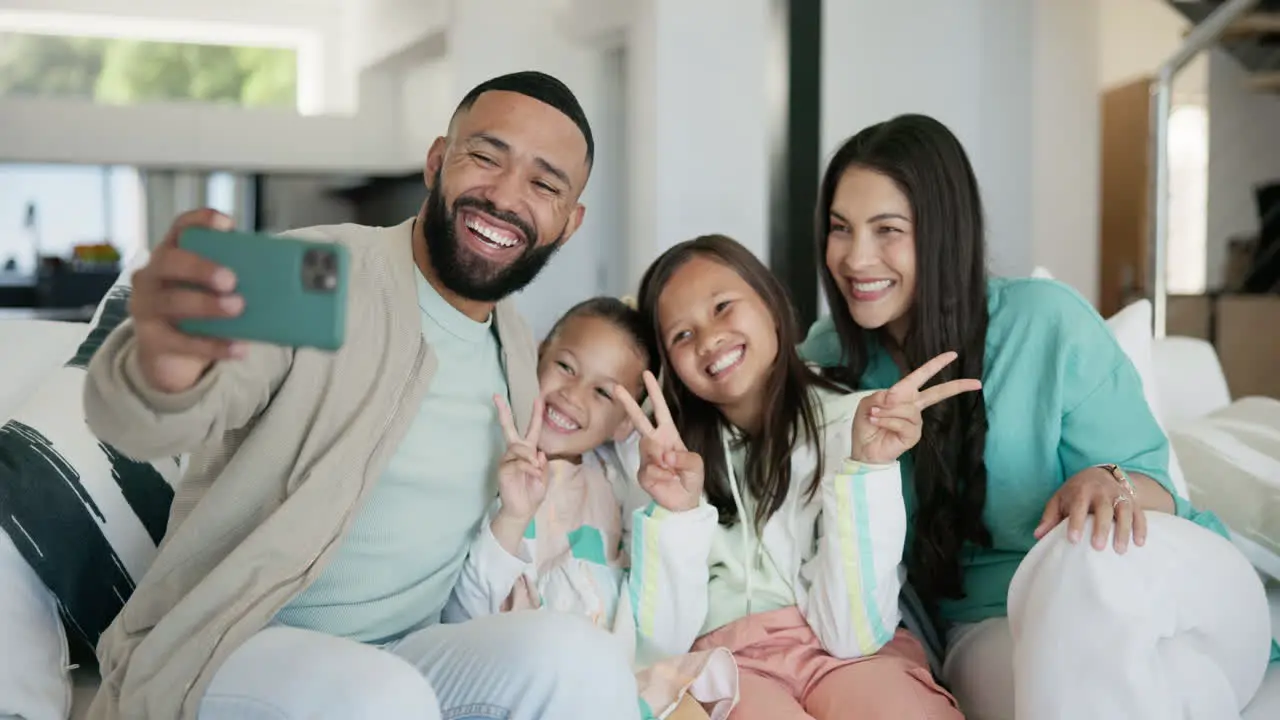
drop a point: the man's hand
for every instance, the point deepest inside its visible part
(671, 474)
(175, 285)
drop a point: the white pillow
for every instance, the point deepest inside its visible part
(1190, 380)
(34, 682)
(1041, 272)
(80, 524)
(1132, 329)
(34, 679)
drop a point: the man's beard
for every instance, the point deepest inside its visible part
(470, 275)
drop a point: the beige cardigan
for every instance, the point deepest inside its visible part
(285, 446)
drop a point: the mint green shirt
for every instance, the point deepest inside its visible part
(1061, 396)
(736, 551)
(398, 563)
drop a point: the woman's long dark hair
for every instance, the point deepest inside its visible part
(949, 312)
(790, 410)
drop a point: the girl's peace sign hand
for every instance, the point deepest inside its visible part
(668, 471)
(889, 422)
(521, 484)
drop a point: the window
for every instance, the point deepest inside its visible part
(127, 72)
(233, 195)
(1188, 199)
(221, 193)
(49, 209)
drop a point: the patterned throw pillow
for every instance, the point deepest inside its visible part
(86, 518)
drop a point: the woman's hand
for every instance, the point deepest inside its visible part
(521, 484)
(889, 422)
(1094, 491)
(668, 471)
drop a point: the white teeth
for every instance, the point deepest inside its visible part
(561, 420)
(725, 361)
(872, 286)
(492, 235)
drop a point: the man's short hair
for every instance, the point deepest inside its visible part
(543, 88)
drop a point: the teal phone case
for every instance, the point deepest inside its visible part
(295, 291)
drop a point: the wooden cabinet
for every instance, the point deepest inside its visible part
(1126, 175)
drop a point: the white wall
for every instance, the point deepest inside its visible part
(384, 28)
(1014, 81)
(199, 136)
(427, 98)
(1066, 142)
(697, 128)
(1244, 151)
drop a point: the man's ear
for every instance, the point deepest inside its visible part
(435, 160)
(575, 221)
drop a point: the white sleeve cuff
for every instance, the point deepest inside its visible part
(499, 568)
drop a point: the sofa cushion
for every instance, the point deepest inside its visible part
(1234, 458)
(1191, 383)
(86, 518)
(1132, 329)
(34, 681)
(32, 350)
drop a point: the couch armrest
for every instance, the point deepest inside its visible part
(32, 349)
(1189, 379)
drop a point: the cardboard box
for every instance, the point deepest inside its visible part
(1247, 337)
(1190, 316)
(1243, 328)
(1245, 331)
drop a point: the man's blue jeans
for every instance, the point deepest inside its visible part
(514, 666)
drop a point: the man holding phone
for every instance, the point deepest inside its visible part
(331, 498)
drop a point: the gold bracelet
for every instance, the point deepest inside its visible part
(1121, 477)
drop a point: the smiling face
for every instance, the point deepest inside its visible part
(871, 250)
(504, 189)
(719, 336)
(577, 370)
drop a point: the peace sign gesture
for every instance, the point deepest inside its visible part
(889, 422)
(521, 484)
(668, 471)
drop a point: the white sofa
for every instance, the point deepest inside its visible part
(1191, 385)
(1185, 375)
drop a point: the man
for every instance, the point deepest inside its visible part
(331, 497)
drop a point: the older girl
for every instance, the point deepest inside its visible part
(791, 556)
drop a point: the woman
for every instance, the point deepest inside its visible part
(1010, 487)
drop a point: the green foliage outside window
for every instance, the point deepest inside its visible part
(131, 72)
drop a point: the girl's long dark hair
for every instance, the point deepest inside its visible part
(790, 411)
(949, 312)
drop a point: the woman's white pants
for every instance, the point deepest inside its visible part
(1177, 628)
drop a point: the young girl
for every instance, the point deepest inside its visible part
(792, 558)
(556, 537)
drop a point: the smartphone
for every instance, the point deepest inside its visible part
(295, 291)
